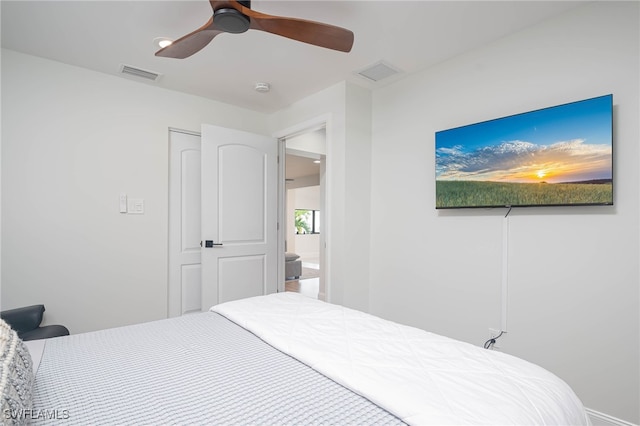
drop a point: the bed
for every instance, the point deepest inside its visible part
(281, 359)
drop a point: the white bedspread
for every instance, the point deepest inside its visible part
(421, 377)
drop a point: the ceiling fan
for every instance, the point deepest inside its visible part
(232, 16)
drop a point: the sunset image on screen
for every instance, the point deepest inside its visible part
(555, 156)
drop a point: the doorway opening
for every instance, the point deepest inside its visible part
(304, 211)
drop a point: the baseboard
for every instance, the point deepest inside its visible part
(600, 419)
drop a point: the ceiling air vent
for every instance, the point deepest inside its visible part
(137, 72)
(378, 71)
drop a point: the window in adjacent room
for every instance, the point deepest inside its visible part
(307, 221)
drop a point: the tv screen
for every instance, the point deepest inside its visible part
(556, 156)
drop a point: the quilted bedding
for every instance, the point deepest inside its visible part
(196, 369)
(420, 377)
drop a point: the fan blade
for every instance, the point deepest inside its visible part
(191, 43)
(316, 33)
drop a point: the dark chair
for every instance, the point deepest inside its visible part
(26, 322)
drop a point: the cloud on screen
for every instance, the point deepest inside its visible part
(521, 161)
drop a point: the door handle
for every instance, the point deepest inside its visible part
(210, 243)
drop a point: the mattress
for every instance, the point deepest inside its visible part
(286, 359)
(197, 369)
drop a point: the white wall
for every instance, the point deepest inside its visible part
(347, 110)
(307, 198)
(72, 141)
(309, 142)
(573, 301)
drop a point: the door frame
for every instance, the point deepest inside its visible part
(307, 126)
(174, 291)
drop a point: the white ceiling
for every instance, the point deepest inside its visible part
(298, 167)
(409, 35)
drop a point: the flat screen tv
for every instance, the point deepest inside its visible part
(556, 156)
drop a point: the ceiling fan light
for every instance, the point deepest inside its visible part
(162, 42)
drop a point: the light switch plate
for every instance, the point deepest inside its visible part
(136, 206)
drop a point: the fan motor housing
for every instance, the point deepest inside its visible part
(231, 21)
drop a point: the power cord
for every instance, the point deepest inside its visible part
(489, 343)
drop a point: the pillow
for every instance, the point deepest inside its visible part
(16, 376)
(288, 257)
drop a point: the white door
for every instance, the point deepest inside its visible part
(239, 215)
(185, 285)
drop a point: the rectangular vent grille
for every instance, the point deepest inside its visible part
(378, 71)
(137, 72)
